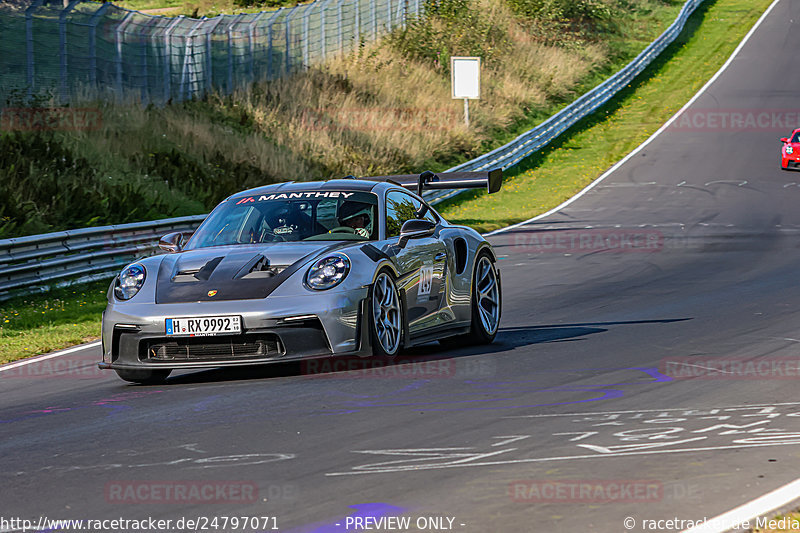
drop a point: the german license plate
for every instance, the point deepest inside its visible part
(204, 326)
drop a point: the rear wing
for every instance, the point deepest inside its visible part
(491, 180)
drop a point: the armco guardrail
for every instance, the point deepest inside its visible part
(535, 139)
(39, 261)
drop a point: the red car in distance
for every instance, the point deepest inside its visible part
(790, 152)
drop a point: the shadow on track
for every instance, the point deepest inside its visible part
(507, 339)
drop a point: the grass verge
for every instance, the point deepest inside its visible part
(37, 324)
(583, 153)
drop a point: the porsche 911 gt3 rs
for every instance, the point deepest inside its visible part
(302, 270)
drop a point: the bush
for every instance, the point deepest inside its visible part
(451, 28)
(45, 187)
(581, 10)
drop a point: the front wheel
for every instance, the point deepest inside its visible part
(386, 317)
(144, 376)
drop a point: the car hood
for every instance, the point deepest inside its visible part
(242, 272)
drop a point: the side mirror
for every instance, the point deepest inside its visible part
(416, 228)
(172, 242)
(784, 140)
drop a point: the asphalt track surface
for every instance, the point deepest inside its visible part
(576, 386)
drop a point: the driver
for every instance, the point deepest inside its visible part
(356, 215)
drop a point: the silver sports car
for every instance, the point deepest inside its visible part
(303, 270)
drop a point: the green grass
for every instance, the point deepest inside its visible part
(582, 154)
(42, 323)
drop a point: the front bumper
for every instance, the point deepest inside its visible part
(277, 328)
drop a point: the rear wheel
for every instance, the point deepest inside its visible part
(486, 305)
(144, 376)
(386, 316)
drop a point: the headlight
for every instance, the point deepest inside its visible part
(129, 282)
(789, 149)
(328, 272)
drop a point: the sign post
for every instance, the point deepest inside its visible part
(465, 75)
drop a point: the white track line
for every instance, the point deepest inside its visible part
(653, 136)
(48, 356)
(750, 511)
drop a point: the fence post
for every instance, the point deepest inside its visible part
(358, 21)
(62, 47)
(95, 18)
(118, 38)
(251, 28)
(324, 35)
(373, 14)
(288, 40)
(416, 8)
(339, 40)
(142, 37)
(388, 15)
(270, 22)
(29, 43)
(306, 14)
(188, 41)
(401, 12)
(230, 51)
(168, 59)
(209, 64)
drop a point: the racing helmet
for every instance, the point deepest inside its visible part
(349, 210)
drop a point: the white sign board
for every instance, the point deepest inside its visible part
(466, 77)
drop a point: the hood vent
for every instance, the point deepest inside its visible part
(197, 274)
(259, 267)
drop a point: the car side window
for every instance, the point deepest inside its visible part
(400, 207)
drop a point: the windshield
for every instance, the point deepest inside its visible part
(295, 216)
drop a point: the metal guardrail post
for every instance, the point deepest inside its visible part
(95, 18)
